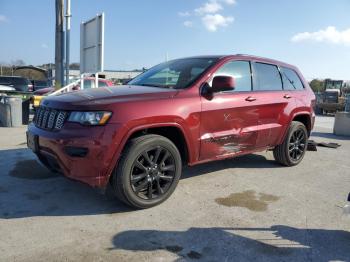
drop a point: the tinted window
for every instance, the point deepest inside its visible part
(240, 71)
(291, 80)
(267, 77)
(20, 81)
(5, 80)
(102, 84)
(87, 84)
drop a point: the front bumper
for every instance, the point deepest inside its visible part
(82, 153)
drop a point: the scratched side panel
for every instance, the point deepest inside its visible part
(274, 111)
(228, 125)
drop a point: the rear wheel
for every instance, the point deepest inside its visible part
(293, 148)
(148, 171)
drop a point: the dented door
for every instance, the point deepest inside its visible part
(228, 125)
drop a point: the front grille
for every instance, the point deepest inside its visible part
(48, 118)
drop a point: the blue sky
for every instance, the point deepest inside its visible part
(313, 35)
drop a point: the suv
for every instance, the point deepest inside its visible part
(137, 137)
(19, 83)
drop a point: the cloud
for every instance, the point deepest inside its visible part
(328, 35)
(44, 46)
(209, 7)
(230, 2)
(184, 14)
(188, 23)
(210, 14)
(213, 22)
(3, 18)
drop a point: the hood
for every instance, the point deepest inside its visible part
(44, 91)
(99, 97)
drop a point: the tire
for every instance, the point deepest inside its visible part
(45, 163)
(148, 171)
(291, 152)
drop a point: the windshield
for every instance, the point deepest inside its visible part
(178, 74)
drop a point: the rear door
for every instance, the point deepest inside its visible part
(273, 103)
(228, 119)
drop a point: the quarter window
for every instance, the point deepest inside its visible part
(291, 80)
(240, 71)
(267, 77)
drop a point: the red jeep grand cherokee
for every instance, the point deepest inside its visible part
(185, 111)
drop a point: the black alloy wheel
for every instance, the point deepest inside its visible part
(148, 171)
(297, 144)
(291, 152)
(152, 173)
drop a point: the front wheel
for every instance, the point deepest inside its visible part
(148, 171)
(293, 148)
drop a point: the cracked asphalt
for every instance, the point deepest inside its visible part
(243, 209)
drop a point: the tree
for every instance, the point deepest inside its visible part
(317, 85)
(74, 66)
(18, 62)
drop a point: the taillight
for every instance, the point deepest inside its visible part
(30, 88)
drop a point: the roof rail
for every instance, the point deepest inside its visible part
(252, 56)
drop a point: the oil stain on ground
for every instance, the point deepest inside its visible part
(31, 169)
(248, 199)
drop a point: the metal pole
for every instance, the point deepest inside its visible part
(68, 16)
(59, 45)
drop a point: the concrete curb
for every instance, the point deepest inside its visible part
(342, 124)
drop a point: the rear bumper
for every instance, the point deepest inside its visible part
(81, 153)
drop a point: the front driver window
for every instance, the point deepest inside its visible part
(240, 71)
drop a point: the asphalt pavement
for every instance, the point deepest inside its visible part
(242, 209)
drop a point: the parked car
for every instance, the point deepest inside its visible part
(19, 83)
(40, 84)
(183, 112)
(6, 88)
(89, 82)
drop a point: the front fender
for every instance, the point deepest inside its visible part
(127, 130)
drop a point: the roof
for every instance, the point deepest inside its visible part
(245, 56)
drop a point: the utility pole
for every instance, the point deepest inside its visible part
(59, 45)
(68, 16)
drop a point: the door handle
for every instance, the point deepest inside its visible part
(287, 96)
(250, 99)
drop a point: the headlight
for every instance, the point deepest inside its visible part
(93, 118)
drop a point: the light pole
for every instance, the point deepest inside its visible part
(59, 45)
(68, 16)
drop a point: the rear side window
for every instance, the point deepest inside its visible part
(267, 77)
(291, 80)
(240, 71)
(20, 81)
(5, 80)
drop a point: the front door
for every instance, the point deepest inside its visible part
(229, 119)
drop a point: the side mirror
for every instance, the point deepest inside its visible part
(222, 83)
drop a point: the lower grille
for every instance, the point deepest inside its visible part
(48, 118)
